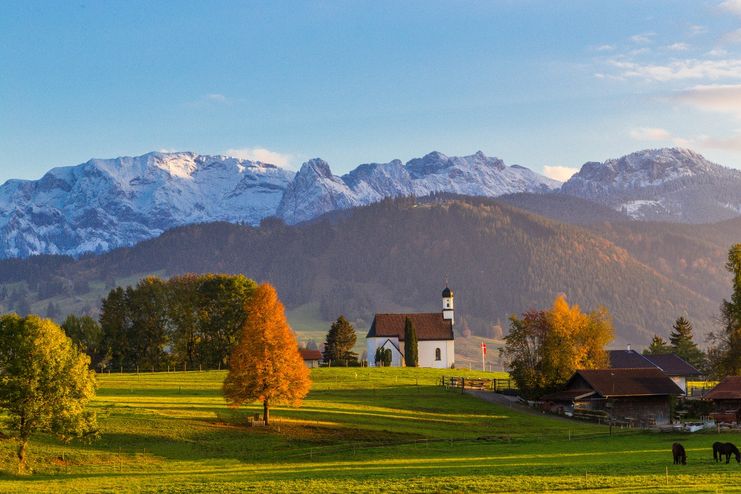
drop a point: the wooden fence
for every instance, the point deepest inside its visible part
(496, 385)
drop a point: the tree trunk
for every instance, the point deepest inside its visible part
(22, 450)
(265, 412)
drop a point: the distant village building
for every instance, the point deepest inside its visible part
(672, 365)
(726, 398)
(311, 357)
(640, 396)
(435, 337)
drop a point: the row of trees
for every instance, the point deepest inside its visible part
(187, 321)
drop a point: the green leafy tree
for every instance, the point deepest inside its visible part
(86, 333)
(544, 348)
(411, 350)
(45, 383)
(683, 344)
(115, 322)
(339, 343)
(658, 346)
(725, 354)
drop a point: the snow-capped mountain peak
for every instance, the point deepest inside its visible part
(673, 184)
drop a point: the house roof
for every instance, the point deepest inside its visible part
(673, 365)
(628, 359)
(428, 326)
(628, 382)
(728, 389)
(310, 354)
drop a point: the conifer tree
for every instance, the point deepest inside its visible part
(683, 344)
(411, 351)
(725, 355)
(266, 364)
(340, 341)
(658, 346)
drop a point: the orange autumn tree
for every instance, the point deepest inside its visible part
(266, 364)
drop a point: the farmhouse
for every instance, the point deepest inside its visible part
(641, 396)
(311, 357)
(674, 366)
(435, 339)
(726, 398)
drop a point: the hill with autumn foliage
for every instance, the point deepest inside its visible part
(395, 255)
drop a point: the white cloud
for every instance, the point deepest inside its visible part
(732, 143)
(719, 98)
(732, 6)
(263, 155)
(679, 69)
(643, 38)
(649, 134)
(216, 98)
(733, 37)
(717, 52)
(167, 150)
(696, 29)
(678, 47)
(604, 48)
(560, 173)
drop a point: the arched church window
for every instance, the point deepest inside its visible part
(438, 355)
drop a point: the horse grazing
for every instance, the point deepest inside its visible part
(680, 456)
(720, 449)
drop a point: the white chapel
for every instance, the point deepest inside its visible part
(435, 337)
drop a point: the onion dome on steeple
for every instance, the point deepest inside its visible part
(447, 293)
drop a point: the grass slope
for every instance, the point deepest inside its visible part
(370, 430)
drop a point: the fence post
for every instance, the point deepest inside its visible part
(463, 385)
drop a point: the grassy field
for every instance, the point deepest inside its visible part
(360, 430)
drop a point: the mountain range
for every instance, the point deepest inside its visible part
(394, 256)
(104, 204)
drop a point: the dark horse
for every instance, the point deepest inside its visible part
(680, 456)
(720, 449)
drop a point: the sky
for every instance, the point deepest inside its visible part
(545, 84)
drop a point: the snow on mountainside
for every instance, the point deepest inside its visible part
(670, 184)
(316, 191)
(104, 204)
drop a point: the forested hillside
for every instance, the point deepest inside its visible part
(395, 255)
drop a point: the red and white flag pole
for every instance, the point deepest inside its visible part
(483, 356)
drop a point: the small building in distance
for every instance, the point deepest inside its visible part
(311, 357)
(726, 398)
(435, 337)
(674, 366)
(640, 396)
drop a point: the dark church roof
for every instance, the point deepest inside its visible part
(428, 326)
(628, 382)
(447, 292)
(728, 389)
(670, 363)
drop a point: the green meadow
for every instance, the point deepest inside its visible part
(359, 430)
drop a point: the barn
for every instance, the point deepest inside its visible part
(726, 398)
(638, 396)
(671, 364)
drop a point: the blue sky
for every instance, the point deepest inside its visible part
(544, 84)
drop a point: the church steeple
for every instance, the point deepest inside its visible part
(448, 306)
